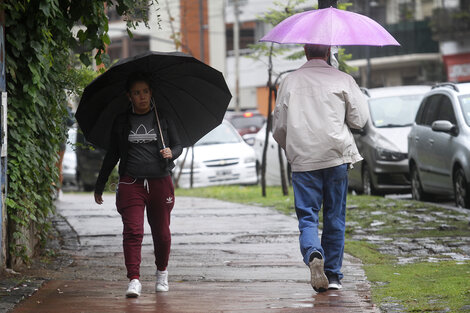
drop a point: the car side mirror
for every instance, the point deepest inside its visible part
(358, 131)
(445, 126)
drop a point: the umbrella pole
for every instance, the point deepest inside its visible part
(323, 4)
(158, 123)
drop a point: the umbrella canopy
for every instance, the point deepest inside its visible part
(194, 94)
(330, 27)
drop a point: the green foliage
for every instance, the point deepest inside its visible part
(39, 70)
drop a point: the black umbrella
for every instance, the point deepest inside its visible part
(194, 94)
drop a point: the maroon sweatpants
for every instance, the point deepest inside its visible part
(132, 197)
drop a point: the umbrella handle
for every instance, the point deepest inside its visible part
(159, 127)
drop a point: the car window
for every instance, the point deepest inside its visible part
(465, 105)
(431, 110)
(394, 111)
(247, 122)
(219, 135)
(446, 111)
(420, 115)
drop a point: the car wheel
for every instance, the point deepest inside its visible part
(367, 187)
(416, 188)
(461, 189)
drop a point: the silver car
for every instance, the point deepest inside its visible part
(383, 141)
(439, 144)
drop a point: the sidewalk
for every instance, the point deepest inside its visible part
(225, 258)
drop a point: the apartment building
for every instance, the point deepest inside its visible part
(192, 26)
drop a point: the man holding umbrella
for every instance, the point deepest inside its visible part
(315, 107)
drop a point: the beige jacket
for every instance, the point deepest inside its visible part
(315, 107)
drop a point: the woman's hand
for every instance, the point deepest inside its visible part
(166, 153)
(98, 198)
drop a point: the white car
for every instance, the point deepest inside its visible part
(273, 172)
(221, 157)
(69, 164)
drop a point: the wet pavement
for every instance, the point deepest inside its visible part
(225, 257)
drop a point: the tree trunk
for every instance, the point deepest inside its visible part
(282, 171)
(268, 124)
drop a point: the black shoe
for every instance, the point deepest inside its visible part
(333, 281)
(318, 279)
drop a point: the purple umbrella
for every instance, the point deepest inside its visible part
(331, 27)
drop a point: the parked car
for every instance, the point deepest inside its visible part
(439, 144)
(273, 171)
(221, 157)
(247, 123)
(69, 164)
(89, 159)
(383, 141)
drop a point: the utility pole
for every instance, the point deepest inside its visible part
(201, 30)
(236, 50)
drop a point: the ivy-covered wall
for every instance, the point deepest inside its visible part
(38, 56)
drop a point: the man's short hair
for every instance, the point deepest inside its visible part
(316, 51)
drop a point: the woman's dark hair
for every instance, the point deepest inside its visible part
(316, 51)
(136, 77)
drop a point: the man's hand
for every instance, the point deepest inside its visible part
(166, 153)
(98, 198)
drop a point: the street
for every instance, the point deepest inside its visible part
(225, 257)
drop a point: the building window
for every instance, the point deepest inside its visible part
(139, 45)
(115, 50)
(247, 35)
(125, 47)
(406, 10)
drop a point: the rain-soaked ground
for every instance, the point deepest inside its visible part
(225, 257)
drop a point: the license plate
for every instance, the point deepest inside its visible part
(223, 172)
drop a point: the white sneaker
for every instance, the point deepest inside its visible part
(133, 289)
(162, 281)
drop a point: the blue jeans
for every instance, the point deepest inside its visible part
(329, 187)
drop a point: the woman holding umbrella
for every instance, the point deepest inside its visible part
(145, 146)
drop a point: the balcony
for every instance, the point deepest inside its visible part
(450, 24)
(414, 37)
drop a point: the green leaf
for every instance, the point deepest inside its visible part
(85, 59)
(129, 33)
(44, 7)
(106, 39)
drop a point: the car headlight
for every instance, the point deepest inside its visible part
(387, 155)
(250, 160)
(187, 165)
